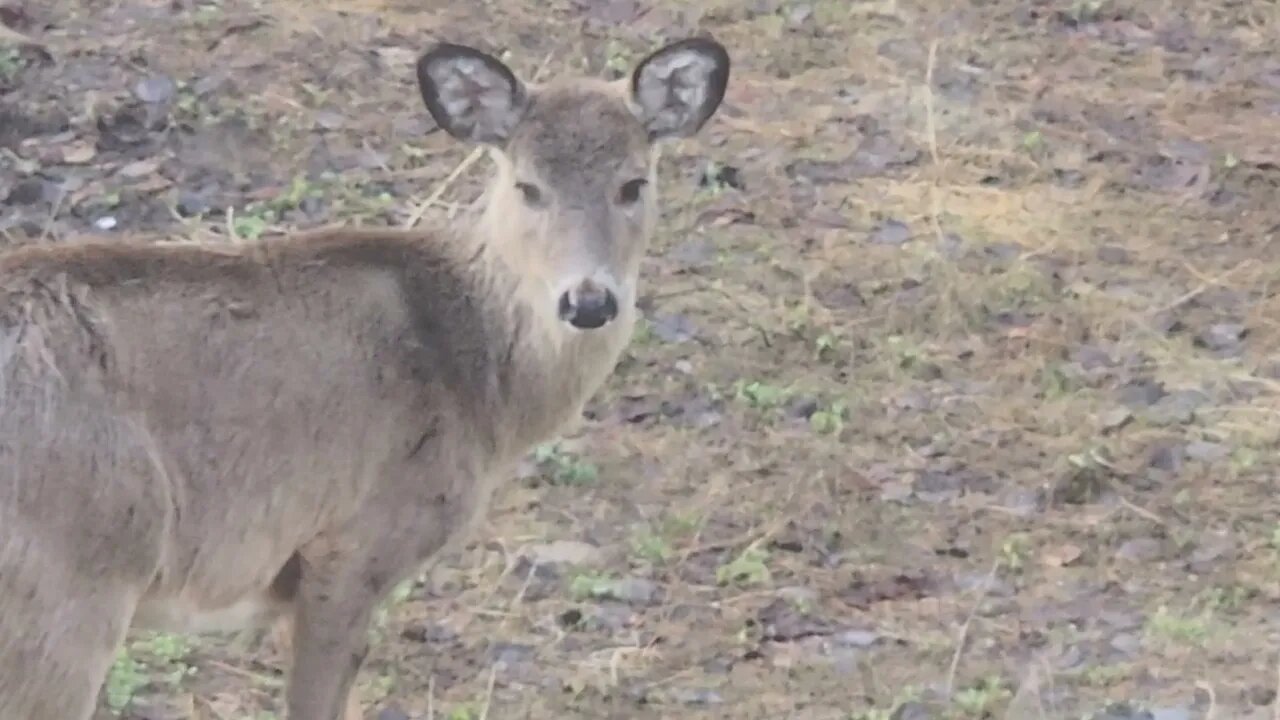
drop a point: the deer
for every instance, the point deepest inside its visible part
(215, 436)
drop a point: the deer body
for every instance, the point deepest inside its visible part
(211, 437)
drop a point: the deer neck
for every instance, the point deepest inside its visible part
(544, 371)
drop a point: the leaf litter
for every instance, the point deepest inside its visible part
(1015, 296)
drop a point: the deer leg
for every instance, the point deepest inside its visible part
(281, 640)
(342, 580)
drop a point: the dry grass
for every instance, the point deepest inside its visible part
(920, 438)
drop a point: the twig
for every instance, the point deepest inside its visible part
(964, 629)
(1212, 710)
(1138, 510)
(442, 186)
(488, 693)
(931, 131)
(431, 697)
(53, 215)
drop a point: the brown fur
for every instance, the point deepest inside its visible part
(198, 437)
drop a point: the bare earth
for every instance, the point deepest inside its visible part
(958, 393)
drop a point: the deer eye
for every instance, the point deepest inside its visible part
(532, 195)
(629, 193)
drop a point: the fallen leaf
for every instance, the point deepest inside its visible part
(139, 168)
(1061, 555)
(79, 153)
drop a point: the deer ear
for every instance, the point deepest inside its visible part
(472, 95)
(676, 89)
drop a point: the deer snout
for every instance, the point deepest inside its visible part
(588, 305)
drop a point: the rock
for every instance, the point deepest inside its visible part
(511, 653)
(1091, 358)
(799, 596)
(1141, 393)
(1121, 711)
(392, 712)
(609, 617)
(913, 711)
(1113, 255)
(1171, 713)
(1207, 451)
(1221, 336)
(192, 203)
(154, 89)
(1166, 456)
(565, 552)
(891, 232)
(1127, 644)
(1178, 408)
(26, 192)
(636, 591)
(1139, 550)
(698, 696)
(1115, 419)
(798, 14)
(673, 328)
(855, 638)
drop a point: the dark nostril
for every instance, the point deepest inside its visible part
(591, 309)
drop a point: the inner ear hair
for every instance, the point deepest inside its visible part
(677, 88)
(471, 94)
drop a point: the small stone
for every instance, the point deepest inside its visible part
(105, 222)
(913, 711)
(1023, 502)
(1221, 336)
(798, 14)
(802, 407)
(855, 638)
(699, 696)
(1121, 711)
(1141, 393)
(1260, 695)
(1113, 255)
(154, 89)
(566, 552)
(797, 595)
(1139, 550)
(1127, 644)
(511, 653)
(632, 590)
(1166, 456)
(26, 192)
(329, 120)
(1115, 419)
(891, 232)
(1212, 549)
(673, 328)
(1207, 451)
(896, 491)
(192, 203)
(609, 617)
(392, 712)
(1091, 357)
(1178, 408)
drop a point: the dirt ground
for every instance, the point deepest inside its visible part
(958, 393)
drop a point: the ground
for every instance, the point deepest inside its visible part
(957, 390)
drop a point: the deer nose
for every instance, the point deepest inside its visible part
(588, 306)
